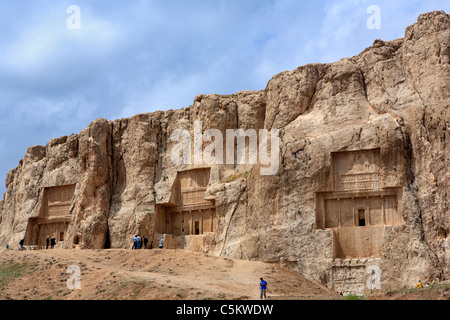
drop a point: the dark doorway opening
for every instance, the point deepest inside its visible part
(362, 218)
(197, 227)
(107, 240)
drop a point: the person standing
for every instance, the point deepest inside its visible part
(21, 244)
(47, 241)
(263, 286)
(52, 242)
(145, 242)
(134, 243)
(138, 241)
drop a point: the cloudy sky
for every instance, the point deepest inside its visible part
(61, 68)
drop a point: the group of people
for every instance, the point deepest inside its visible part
(49, 242)
(341, 293)
(139, 242)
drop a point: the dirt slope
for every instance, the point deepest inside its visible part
(438, 291)
(148, 274)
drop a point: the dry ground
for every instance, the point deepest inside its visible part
(438, 291)
(119, 274)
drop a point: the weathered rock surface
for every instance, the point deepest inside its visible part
(392, 98)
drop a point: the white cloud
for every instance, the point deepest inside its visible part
(138, 56)
(38, 48)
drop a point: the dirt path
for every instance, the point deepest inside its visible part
(150, 274)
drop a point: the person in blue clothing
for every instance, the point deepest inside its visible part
(138, 242)
(263, 286)
(134, 242)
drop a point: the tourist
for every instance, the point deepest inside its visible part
(138, 241)
(419, 284)
(134, 243)
(21, 244)
(145, 242)
(47, 241)
(263, 286)
(161, 242)
(52, 242)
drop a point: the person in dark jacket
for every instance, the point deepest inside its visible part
(145, 242)
(52, 242)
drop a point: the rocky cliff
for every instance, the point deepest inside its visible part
(362, 183)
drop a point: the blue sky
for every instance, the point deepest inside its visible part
(136, 56)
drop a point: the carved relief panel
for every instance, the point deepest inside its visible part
(359, 206)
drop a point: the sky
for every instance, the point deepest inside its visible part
(64, 64)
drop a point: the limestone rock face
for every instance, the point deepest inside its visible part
(362, 188)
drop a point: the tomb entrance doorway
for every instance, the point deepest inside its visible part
(54, 216)
(188, 212)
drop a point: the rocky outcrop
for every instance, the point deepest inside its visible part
(384, 113)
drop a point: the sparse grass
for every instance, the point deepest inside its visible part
(124, 283)
(10, 272)
(433, 290)
(353, 297)
(231, 178)
(236, 176)
(437, 288)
